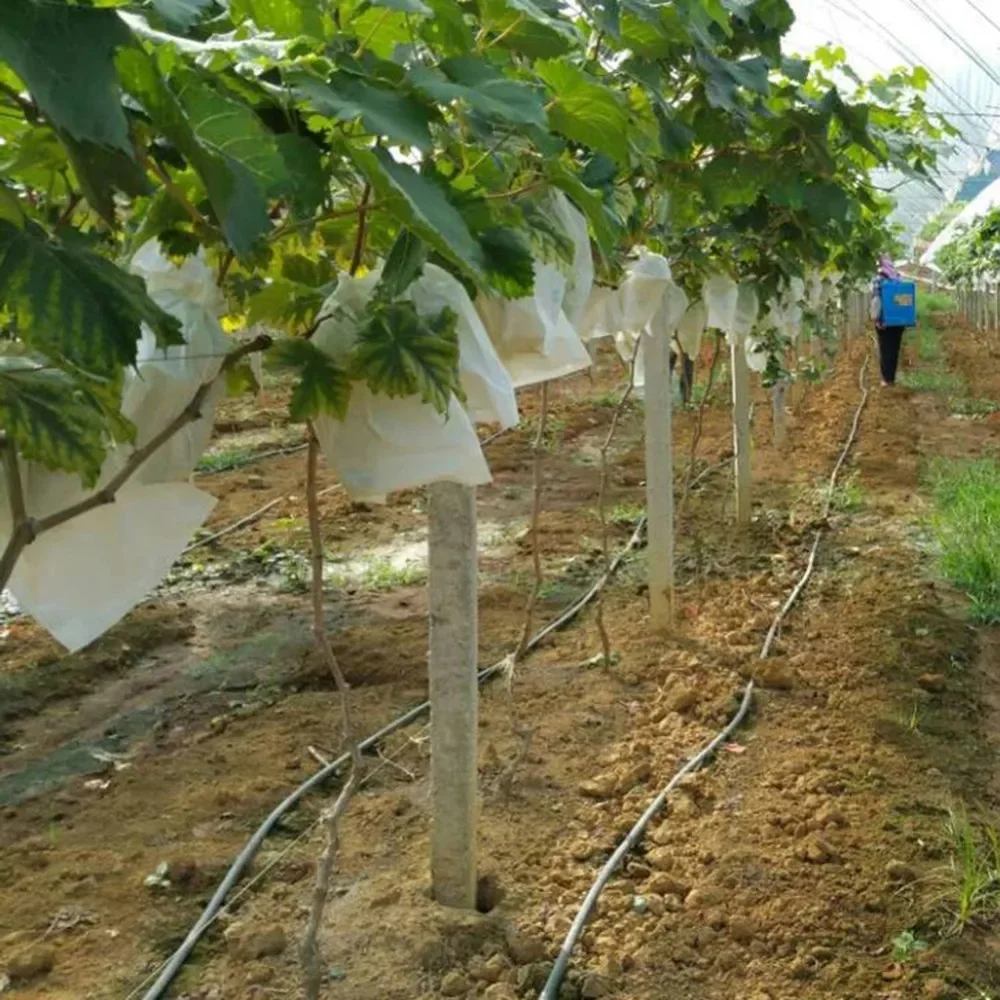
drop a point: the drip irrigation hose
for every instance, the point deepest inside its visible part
(552, 985)
(173, 965)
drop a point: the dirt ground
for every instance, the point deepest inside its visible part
(132, 773)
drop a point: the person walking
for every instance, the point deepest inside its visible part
(890, 338)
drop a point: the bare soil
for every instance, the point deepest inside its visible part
(786, 869)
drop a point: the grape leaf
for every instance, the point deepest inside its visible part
(236, 198)
(101, 171)
(585, 110)
(74, 304)
(62, 422)
(403, 266)
(286, 18)
(399, 353)
(426, 208)
(65, 56)
(307, 179)
(384, 112)
(474, 81)
(182, 13)
(234, 130)
(323, 387)
(509, 263)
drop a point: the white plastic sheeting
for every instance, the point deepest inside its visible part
(386, 444)
(534, 336)
(79, 579)
(982, 204)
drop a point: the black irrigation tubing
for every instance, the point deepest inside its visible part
(173, 965)
(552, 985)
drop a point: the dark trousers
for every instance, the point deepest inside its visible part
(890, 340)
(687, 374)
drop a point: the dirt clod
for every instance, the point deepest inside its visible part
(454, 984)
(32, 964)
(900, 871)
(249, 943)
(933, 683)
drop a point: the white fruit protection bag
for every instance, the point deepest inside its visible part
(534, 336)
(388, 444)
(719, 294)
(82, 577)
(640, 296)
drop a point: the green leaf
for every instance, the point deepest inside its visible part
(241, 380)
(386, 113)
(399, 353)
(232, 129)
(181, 13)
(606, 226)
(10, 207)
(236, 198)
(425, 207)
(286, 18)
(585, 110)
(407, 6)
(65, 56)
(509, 263)
(100, 171)
(323, 387)
(285, 305)
(485, 90)
(403, 266)
(795, 69)
(60, 421)
(74, 304)
(308, 182)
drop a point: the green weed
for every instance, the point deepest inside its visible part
(381, 574)
(966, 524)
(972, 890)
(626, 514)
(849, 497)
(933, 381)
(968, 406)
(225, 458)
(906, 946)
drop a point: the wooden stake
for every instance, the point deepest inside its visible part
(454, 693)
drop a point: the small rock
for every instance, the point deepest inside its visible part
(741, 929)
(454, 985)
(816, 852)
(523, 948)
(640, 904)
(934, 683)
(256, 482)
(899, 871)
(776, 675)
(247, 944)
(390, 897)
(477, 969)
(704, 898)
(581, 850)
(32, 964)
(501, 991)
(664, 884)
(661, 858)
(601, 787)
(938, 989)
(494, 968)
(531, 978)
(656, 904)
(594, 986)
(633, 776)
(683, 699)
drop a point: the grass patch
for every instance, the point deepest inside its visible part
(848, 496)
(380, 574)
(933, 381)
(968, 406)
(966, 525)
(972, 879)
(225, 458)
(625, 514)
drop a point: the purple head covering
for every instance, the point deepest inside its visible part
(886, 268)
